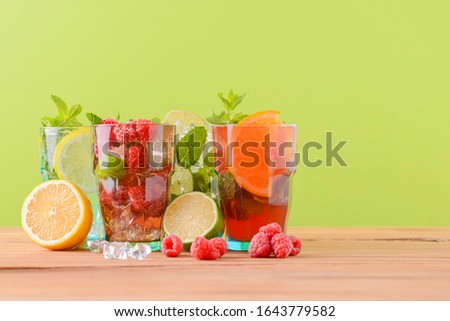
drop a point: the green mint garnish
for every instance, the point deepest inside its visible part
(66, 117)
(94, 119)
(156, 120)
(110, 166)
(227, 116)
(190, 148)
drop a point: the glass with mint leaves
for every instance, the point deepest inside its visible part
(66, 153)
(133, 163)
(194, 164)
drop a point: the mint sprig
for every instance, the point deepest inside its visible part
(228, 116)
(66, 117)
(96, 120)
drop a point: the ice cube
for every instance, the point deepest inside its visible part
(116, 250)
(140, 251)
(97, 246)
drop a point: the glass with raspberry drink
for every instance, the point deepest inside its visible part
(255, 160)
(133, 162)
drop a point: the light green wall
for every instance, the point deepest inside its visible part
(375, 73)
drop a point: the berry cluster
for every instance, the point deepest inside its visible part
(271, 239)
(203, 249)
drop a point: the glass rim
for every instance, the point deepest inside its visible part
(253, 125)
(64, 127)
(111, 125)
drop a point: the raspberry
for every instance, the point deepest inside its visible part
(125, 133)
(105, 200)
(220, 245)
(136, 157)
(271, 229)
(202, 249)
(260, 246)
(296, 246)
(121, 195)
(281, 245)
(138, 202)
(143, 129)
(172, 246)
(109, 121)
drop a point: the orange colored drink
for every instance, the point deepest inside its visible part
(255, 160)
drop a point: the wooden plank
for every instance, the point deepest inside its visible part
(336, 264)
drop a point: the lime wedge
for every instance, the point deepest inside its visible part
(191, 215)
(183, 117)
(73, 159)
(181, 181)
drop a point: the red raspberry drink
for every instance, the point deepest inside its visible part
(133, 162)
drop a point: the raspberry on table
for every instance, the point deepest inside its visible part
(281, 245)
(109, 121)
(220, 244)
(202, 249)
(172, 246)
(296, 245)
(260, 246)
(271, 229)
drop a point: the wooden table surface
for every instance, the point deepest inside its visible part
(335, 264)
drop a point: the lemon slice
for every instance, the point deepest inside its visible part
(191, 215)
(57, 215)
(183, 117)
(73, 159)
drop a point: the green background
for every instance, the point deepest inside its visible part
(375, 73)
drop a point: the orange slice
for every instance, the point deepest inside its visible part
(57, 215)
(256, 176)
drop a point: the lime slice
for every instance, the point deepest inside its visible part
(73, 159)
(183, 117)
(181, 181)
(191, 215)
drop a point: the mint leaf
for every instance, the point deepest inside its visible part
(190, 148)
(230, 104)
(66, 117)
(75, 111)
(201, 180)
(93, 118)
(110, 166)
(118, 116)
(48, 122)
(61, 105)
(156, 120)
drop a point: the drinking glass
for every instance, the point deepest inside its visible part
(133, 173)
(66, 153)
(255, 165)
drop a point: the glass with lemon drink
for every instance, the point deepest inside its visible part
(66, 153)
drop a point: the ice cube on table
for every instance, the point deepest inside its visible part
(97, 246)
(116, 250)
(139, 251)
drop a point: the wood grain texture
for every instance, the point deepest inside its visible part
(335, 264)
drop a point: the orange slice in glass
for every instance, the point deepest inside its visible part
(57, 215)
(253, 165)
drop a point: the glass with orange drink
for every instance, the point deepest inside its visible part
(255, 160)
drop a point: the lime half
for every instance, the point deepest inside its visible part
(191, 215)
(183, 117)
(73, 159)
